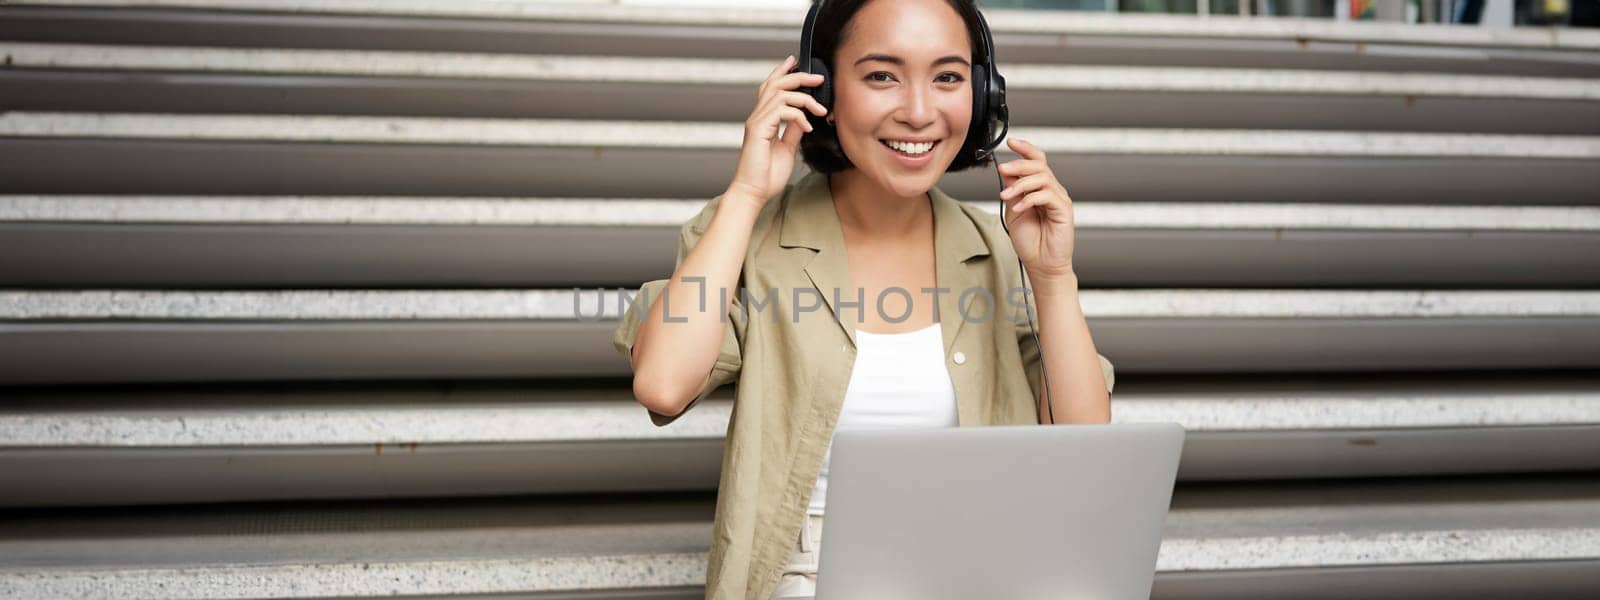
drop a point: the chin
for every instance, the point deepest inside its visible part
(906, 185)
(913, 185)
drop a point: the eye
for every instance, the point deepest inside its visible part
(871, 76)
(954, 77)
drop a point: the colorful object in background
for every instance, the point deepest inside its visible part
(1549, 12)
(1362, 9)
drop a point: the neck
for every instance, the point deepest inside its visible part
(863, 205)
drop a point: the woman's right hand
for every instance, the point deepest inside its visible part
(766, 159)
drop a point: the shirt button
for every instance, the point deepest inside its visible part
(961, 358)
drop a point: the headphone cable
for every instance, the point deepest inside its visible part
(1044, 371)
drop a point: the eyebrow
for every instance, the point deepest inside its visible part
(895, 60)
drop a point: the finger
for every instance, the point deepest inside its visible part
(801, 100)
(1011, 205)
(788, 61)
(1041, 199)
(1016, 210)
(791, 136)
(793, 115)
(798, 125)
(787, 64)
(777, 111)
(1021, 167)
(1025, 185)
(1014, 170)
(766, 123)
(791, 81)
(1020, 210)
(1025, 148)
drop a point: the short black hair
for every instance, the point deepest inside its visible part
(820, 147)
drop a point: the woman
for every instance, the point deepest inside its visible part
(861, 296)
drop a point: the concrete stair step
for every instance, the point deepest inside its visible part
(444, 422)
(735, 31)
(76, 447)
(295, 154)
(1257, 538)
(110, 336)
(163, 79)
(341, 241)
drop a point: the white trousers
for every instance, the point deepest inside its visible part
(799, 579)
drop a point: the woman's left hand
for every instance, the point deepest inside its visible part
(1038, 212)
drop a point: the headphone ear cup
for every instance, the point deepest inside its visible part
(824, 92)
(999, 112)
(978, 132)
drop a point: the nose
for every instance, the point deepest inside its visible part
(918, 110)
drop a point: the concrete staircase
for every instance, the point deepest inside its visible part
(288, 305)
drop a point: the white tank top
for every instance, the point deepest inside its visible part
(899, 381)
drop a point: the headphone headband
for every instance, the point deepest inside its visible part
(806, 33)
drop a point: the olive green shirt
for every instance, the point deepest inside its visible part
(793, 365)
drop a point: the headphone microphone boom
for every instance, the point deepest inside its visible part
(989, 113)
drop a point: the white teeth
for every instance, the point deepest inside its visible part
(910, 148)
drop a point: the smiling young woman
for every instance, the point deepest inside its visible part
(888, 262)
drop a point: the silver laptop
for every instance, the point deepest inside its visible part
(1015, 512)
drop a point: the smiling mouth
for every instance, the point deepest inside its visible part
(909, 155)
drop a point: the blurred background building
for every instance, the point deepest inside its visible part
(1494, 13)
(287, 288)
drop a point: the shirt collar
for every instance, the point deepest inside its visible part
(810, 221)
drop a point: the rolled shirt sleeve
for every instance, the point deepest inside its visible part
(730, 358)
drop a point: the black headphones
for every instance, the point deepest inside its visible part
(989, 111)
